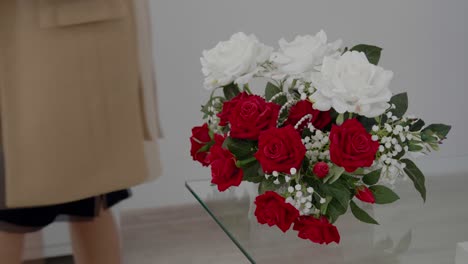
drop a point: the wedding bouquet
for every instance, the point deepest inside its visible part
(326, 132)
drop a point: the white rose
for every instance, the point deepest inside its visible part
(350, 83)
(304, 54)
(236, 60)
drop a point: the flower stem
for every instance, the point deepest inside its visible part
(243, 163)
(247, 89)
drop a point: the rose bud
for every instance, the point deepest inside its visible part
(321, 169)
(365, 194)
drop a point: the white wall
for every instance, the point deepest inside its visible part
(425, 43)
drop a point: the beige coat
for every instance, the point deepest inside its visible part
(77, 99)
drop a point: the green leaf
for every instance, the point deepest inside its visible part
(372, 177)
(368, 123)
(401, 103)
(206, 147)
(414, 146)
(339, 192)
(383, 195)
(372, 52)
(440, 130)
(230, 91)
(361, 214)
(349, 181)
(429, 137)
(266, 185)
(334, 174)
(324, 206)
(246, 162)
(305, 163)
(434, 146)
(271, 90)
(252, 173)
(242, 149)
(358, 171)
(400, 154)
(417, 125)
(335, 209)
(416, 176)
(339, 119)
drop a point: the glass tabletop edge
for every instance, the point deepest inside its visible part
(231, 237)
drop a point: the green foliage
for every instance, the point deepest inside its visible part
(361, 215)
(349, 181)
(339, 192)
(206, 147)
(338, 205)
(230, 91)
(324, 206)
(439, 130)
(401, 153)
(339, 119)
(335, 209)
(334, 174)
(266, 185)
(416, 176)
(417, 125)
(372, 52)
(429, 137)
(204, 108)
(372, 177)
(271, 90)
(401, 103)
(434, 134)
(414, 146)
(383, 195)
(253, 173)
(306, 164)
(242, 149)
(368, 123)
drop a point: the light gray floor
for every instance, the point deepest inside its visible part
(175, 235)
(184, 234)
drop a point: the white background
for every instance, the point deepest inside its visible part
(425, 43)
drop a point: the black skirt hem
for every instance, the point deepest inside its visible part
(26, 220)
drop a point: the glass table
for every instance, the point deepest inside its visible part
(410, 231)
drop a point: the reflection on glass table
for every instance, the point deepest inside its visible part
(410, 231)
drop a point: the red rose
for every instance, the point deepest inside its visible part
(317, 230)
(319, 119)
(280, 149)
(219, 139)
(251, 115)
(351, 147)
(365, 194)
(321, 169)
(224, 171)
(227, 108)
(273, 210)
(200, 137)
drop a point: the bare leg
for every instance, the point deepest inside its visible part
(96, 241)
(11, 247)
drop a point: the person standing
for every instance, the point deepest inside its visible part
(78, 119)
